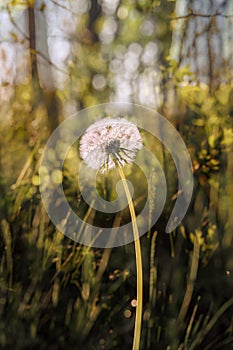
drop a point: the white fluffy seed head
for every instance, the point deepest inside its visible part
(110, 141)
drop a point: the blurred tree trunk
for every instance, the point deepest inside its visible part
(94, 13)
(198, 38)
(40, 93)
(32, 42)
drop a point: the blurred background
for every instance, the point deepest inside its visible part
(58, 57)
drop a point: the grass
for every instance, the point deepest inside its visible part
(56, 293)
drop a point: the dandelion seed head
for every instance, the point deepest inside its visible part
(109, 141)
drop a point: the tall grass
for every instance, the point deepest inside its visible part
(56, 293)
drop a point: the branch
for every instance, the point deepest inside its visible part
(47, 59)
(64, 7)
(193, 14)
(24, 35)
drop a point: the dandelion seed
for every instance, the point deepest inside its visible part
(109, 141)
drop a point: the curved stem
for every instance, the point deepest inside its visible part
(138, 318)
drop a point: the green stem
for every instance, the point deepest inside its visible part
(138, 319)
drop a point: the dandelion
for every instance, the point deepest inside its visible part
(110, 143)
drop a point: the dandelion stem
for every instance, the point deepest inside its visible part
(138, 318)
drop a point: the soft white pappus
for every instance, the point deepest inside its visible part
(110, 141)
